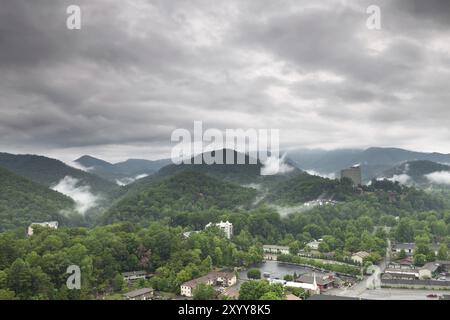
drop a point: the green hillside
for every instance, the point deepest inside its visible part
(306, 187)
(23, 201)
(186, 191)
(47, 171)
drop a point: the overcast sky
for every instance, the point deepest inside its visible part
(138, 69)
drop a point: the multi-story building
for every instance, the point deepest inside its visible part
(226, 226)
(224, 279)
(354, 174)
(48, 224)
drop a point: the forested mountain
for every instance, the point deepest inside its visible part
(186, 191)
(140, 166)
(244, 173)
(373, 161)
(130, 168)
(22, 201)
(306, 187)
(49, 172)
(421, 173)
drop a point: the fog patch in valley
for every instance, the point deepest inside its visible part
(126, 181)
(274, 166)
(439, 177)
(81, 194)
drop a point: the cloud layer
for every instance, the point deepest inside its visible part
(139, 69)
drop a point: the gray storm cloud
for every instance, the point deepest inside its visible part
(139, 69)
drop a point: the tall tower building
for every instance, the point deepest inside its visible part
(354, 174)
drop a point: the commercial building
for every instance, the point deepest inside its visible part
(47, 224)
(224, 279)
(226, 226)
(354, 174)
(273, 249)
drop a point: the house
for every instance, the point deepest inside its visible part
(275, 249)
(408, 247)
(48, 224)
(135, 275)
(226, 226)
(139, 294)
(324, 281)
(225, 279)
(314, 245)
(359, 257)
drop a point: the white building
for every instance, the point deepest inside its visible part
(275, 249)
(311, 288)
(48, 224)
(226, 226)
(314, 245)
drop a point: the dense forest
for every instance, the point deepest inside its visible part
(23, 201)
(184, 192)
(48, 172)
(306, 187)
(35, 268)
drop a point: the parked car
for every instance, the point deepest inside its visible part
(432, 295)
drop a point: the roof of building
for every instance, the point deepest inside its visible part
(431, 266)
(387, 276)
(138, 292)
(401, 271)
(205, 279)
(134, 273)
(361, 254)
(270, 246)
(406, 261)
(320, 280)
(306, 286)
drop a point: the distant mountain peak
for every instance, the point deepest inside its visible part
(90, 161)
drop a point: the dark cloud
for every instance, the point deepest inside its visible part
(139, 69)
